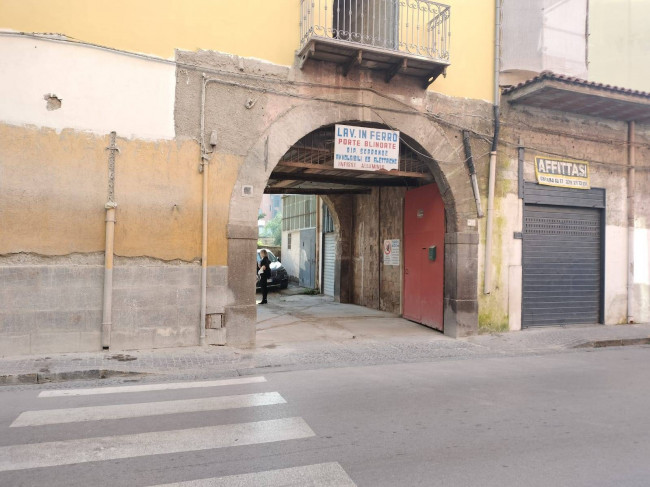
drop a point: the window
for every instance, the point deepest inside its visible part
(373, 23)
(299, 211)
(289, 241)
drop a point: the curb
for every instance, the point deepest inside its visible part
(617, 342)
(45, 377)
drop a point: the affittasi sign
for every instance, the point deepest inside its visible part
(365, 148)
(563, 173)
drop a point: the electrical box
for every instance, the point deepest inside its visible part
(432, 253)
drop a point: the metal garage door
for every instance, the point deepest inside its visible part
(329, 258)
(562, 265)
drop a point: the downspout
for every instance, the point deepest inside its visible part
(487, 281)
(469, 160)
(107, 310)
(203, 168)
(631, 160)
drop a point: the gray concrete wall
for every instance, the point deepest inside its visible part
(54, 304)
(48, 308)
(155, 306)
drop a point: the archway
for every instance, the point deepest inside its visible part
(424, 137)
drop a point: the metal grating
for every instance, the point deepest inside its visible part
(562, 265)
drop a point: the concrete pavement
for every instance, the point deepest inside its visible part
(298, 331)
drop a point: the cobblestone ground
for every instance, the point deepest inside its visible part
(212, 361)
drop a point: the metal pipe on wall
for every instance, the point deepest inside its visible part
(203, 168)
(107, 318)
(107, 307)
(631, 177)
(487, 278)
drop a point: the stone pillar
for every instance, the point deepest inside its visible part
(240, 317)
(461, 284)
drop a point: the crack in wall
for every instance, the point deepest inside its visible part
(91, 259)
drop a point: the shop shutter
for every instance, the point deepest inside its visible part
(329, 258)
(562, 264)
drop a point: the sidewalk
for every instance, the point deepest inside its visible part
(297, 331)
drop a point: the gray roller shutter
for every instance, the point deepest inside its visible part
(329, 257)
(562, 258)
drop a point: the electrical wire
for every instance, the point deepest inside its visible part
(408, 109)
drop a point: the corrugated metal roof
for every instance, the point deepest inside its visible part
(576, 81)
(566, 93)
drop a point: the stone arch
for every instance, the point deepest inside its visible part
(266, 151)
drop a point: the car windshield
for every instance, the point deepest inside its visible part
(271, 257)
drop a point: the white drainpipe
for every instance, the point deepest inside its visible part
(487, 281)
(631, 156)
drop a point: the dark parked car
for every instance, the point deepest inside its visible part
(279, 276)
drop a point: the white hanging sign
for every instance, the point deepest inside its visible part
(365, 148)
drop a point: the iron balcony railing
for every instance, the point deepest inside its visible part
(415, 27)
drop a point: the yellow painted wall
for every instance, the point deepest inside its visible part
(53, 188)
(224, 169)
(158, 194)
(471, 74)
(264, 29)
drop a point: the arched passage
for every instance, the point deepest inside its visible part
(265, 154)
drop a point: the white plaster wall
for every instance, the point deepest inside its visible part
(291, 257)
(101, 91)
(615, 274)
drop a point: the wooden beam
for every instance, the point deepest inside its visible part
(330, 167)
(284, 183)
(318, 191)
(324, 178)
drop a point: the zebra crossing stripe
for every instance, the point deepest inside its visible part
(150, 387)
(320, 475)
(98, 413)
(50, 454)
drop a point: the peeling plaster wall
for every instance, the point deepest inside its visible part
(53, 188)
(603, 144)
(97, 91)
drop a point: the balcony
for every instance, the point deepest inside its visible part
(410, 37)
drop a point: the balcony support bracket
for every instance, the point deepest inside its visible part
(354, 61)
(397, 68)
(434, 75)
(306, 54)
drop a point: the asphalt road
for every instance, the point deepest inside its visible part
(569, 419)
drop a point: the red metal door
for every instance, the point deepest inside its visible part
(424, 228)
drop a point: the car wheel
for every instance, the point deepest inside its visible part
(284, 284)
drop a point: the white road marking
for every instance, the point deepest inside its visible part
(150, 387)
(98, 413)
(50, 454)
(320, 475)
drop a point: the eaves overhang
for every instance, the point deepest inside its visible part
(563, 93)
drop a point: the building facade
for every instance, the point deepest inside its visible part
(137, 144)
